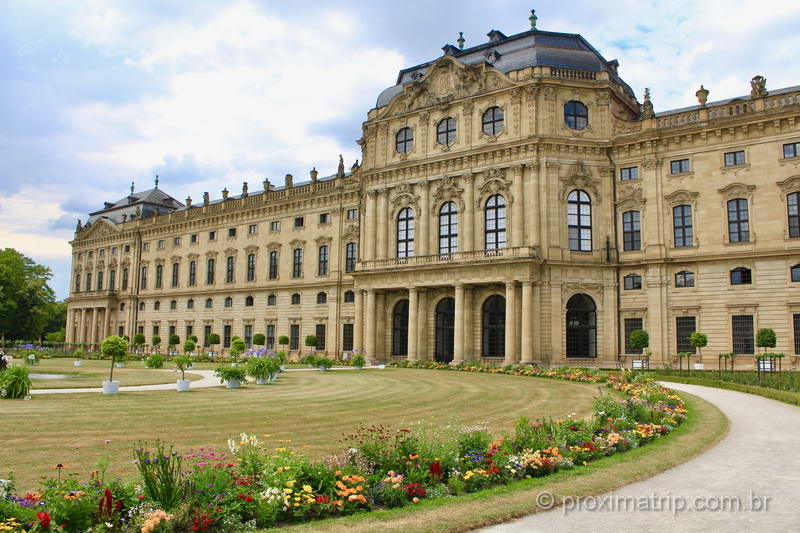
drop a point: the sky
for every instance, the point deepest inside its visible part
(207, 94)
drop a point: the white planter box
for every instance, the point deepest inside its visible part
(110, 387)
(233, 384)
(699, 366)
(183, 385)
(262, 381)
(77, 363)
(119, 365)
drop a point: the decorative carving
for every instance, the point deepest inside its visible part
(322, 240)
(579, 177)
(621, 128)
(211, 254)
(702, 96)
(175, 259)
(495, 183)
(651, 162)
(758, 87)
(273, 246)
(681, 197)
(468, 106)
(404, 197)
(350, 233)
(230, 251)
(603, 98)
(647, 106)
(737, 190)
(630, 196)
(297, 243)
(251, 249)
(549, 93)
(574, 287)
(447, 191)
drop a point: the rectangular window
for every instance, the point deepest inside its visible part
(252, 229)
(226, 336)
(193, 239)
(127, 248)
(629, 173)
(273, 265)
(351, 254)
(684, 327)
(177, 241)
(320, 333)
(192, 273)
(632, 282)
(251, 267)
(742, 329)
(146, 246)
(294, 337)
(299, 222)
(156, 330)
(229, 269)
(206, 335)
(347, 337)
(297, 263)
(631, 324)
(159, 275)
(352, 214)
(682, 225)
(738, 220)
(210, 266)
(324, 218)
(734, 158)
(77, 283)
(113, 250)
(275, 225)
(143, 284)
(679, 166)
(791, 150)
(323, 260)
(231, 232)
(140, 329)
(212, 235)
(175, 273)
(172, 331)
(112, 280)
(124, 279)
(270, 336)
(248, 335)
(631, 231)
(793, 206)
(101, 253)
(796, 324)
(189, 331)
(161, 243)
(100, 281)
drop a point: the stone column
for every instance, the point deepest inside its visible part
(458, 333)
(423, 216)
(469, 313)
(380, 326)
(358, 325)
(517, 208)
(370, 227)
(469, 215)
(93, 334)
(106, 321)
(422, 323)
(536, 329)
(511, 323)
(80, 337)
(371, 330)
(412, 324)
(68, 330)
(532, 190)
(527, 323)
(382, 224)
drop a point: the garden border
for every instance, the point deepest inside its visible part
(784, 396)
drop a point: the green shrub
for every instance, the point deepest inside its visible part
(182, 362)
(156, 340)
(15, 382)
(322, 362)
(358, 359)
(283, 340)
(605, 407)
(259, 339)
(311, 341)
(228, 372)
(262, 367)
(189, 346)
(174, 340)
(155, 361)
(473, 439)
(138, 339)
(116, 349)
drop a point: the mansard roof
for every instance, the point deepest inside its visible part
(530, 48)
(148, 203)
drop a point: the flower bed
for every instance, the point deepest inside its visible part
(256, 484)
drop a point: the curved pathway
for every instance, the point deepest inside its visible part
(755, 468)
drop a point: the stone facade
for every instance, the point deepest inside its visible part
(504, 210)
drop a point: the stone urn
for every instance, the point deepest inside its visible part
(233, 384)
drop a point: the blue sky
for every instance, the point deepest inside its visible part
(96, 94)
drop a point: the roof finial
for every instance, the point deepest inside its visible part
(532, 19)
(131, 187)
(461, 40)
(156, 181)
(647, 106)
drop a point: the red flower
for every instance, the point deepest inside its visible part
(323, 499)
(44, 519)
(573, 427)
(415, 490)
(248, 499)
(435, 469)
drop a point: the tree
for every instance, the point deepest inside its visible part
(311, 342)
(174, 340)
(238, 347)
(213, 339)
(259, 339)
(697, 340)
(765, 338)
(156, 341)
(57, 318)
(26, 300)
(138, 339)
(283, 340)
(193, 338)
(116, 348)
(55, 336)
(639, 340)
(189, 346)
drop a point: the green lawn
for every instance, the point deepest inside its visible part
(93, 372)
(310, 408)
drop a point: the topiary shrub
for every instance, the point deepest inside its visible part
(259, 339)
(155, 361)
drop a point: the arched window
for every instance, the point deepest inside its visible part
(251, 267)
(632, 282)
(446, 131)
(631, 231)
(295, 299)
(445, 323)
(156, 305)
(796, 273)
(405, 232)
(122, 306)
(793, 206)
(493, 121)
(579, 221)
(576, 116)
(323, 260)
(210, 265)
(400, 328)
(448, 228)
(682, 225)
(581, 327)
(141, 306)
(209, 303)
(741, 276)
(322, 298)
(738, 220)
(272, 299)
(249, 301)
(228, 302)
(349, 297)
(495, 222)
(173, 304)
(190, 304)
(684, 278)
(404, 140)
(493, 326)
(273, 265)
(297, 263)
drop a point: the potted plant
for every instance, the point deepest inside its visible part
(156, 342)
(262, 369)
(156, 360)
(639, 340)
(114, 347)
(238, 347)
(232, 376)
(78, 354)
(183, 362)
(311, 342)
(213, 340)
(309, 360)
(358, 360)
(259, 339)
(283, 340)
(189, 346)
(698, 340)
(174, 341)
(322, 363)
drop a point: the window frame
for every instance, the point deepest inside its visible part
(496, 124)
(631, 174)
(297, 263)
(746, 346)
(793, 219)
(794, 273)
(681, 164)
(741, 276)
(631, 231)
(230, 269)
(404, 140)
(795, 148)
(446, 131)
(682, 226)
(323, 258)
(632, 282)
(576, 115)
(448, 220)
(579, 227)
(251, 267)
(274, 264)
(404, 236)
(351, 256)
(495, 215)
(734, 159)
(738, 229)
(686, 278)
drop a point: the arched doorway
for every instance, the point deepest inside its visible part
(494, 327)
(581, 326)
(400, 328)
(445, 322)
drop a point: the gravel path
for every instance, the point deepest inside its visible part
(755, 468)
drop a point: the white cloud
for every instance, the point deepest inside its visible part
(22, 217)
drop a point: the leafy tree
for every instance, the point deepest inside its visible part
(174, 340)
(213, 339)
(193, 338)
(57, 317)
(138, 339)
(116, 348)
(238, 347)
(26, 300)
(311, 341)
(259, 339)
(189, 346)
(639, 339)
(765, 338)
(283, 340)
(55, 336)
(156, 340)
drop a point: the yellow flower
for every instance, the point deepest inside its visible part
(307, 488)
(290, 483)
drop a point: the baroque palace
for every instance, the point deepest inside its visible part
(515, 203)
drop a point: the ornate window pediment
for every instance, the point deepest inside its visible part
(789, 185)
(273, 246)
(737, 190)
(158, 261)
(231, 251)
(251, 249)
(297, 243)
(630, 196)
(350, 233)
(192, 257)
(175, 259)
(447, 191)
(322, 240)
(211, 254)
(404, 197)
(495, 183)
(681, 197)
(580, 177)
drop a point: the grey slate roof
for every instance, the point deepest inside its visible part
(527, 49)
(146, 201)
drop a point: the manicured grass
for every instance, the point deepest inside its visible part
(705, 426)
(785, 396)
(310, 408)
(93, 372)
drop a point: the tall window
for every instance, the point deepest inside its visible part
(793, 204)
(631, 231)
(738, 220)
(297, 263)
(404, 140)
(322, 297)
(795, 273)
(192, 273)
(448, 228)
(273, 265)
(796, 328)
(89, 280)
(173, 304)
(248, 335)
(493, 121)
(349, 297)
(226, 336)
(251, 267)
(495, 222)
(210, 264)
(446, 131)
(77, 283)
(741, 276)
(294, 337)
(228, 302)
(682, 225)
(319, 330)
(347, 337)
(323, 260)
(209, 303)
(175, 274)
(272, 299)
(295, 299)
(270, 337)
(249, 301)
(742, 333)
(405, 232)
(112, 280)
(190, 304)
(156, 305)
(351, 254)
(159, 275)
(124, 279)
(684, 278)
(400, 328)
(493, 327)
(100, 281)
(581, 327)
(684, 327)
(229, 269)
(206, 335)
(576, 116)
(143, 282)
(631, 325)
(579, 221)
